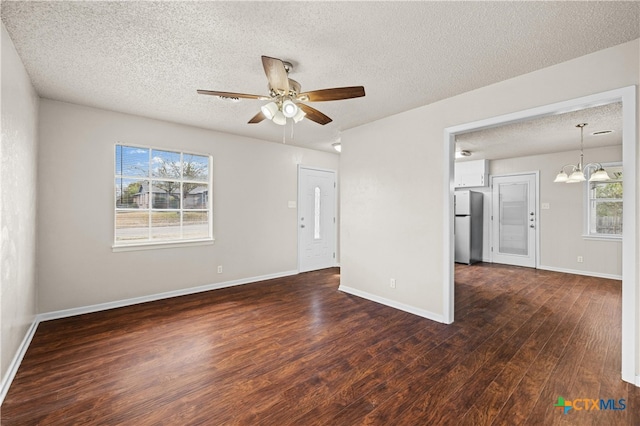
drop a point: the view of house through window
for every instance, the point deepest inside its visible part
(604, 212)
(161, 196)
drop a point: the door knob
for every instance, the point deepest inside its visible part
(532, 226)
(301, 226)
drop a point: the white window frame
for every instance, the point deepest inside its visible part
(159, 243)
(586, 232)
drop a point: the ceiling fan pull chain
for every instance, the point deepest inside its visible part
(291, 129)
(284, 133)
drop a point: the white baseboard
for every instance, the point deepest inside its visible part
(576, 272)
(158, 296)
(22, 349)
(392, 303)
(17, 359)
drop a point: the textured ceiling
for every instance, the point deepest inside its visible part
(555, 133)
(148, 58)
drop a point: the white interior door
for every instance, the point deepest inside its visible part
(316, 219)
(514, 220)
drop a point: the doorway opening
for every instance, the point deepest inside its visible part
(627, 96)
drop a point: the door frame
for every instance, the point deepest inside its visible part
(536, 207)
(627, 96)
(335, 212)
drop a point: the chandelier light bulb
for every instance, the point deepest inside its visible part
(562, 177)
(576, 176)
(600, 175)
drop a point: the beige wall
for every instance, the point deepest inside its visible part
(561, 240)
(392, 175)
(18, 156)
(255, 231)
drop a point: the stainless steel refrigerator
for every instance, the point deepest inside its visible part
(468, 226)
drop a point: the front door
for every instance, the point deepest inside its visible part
(316, 219)
(514, 220)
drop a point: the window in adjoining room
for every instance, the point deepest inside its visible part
(604, 205)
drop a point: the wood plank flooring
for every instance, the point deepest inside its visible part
(296, 351)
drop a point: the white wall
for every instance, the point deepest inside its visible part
(18, 156)
(392, 183)
(561, 226)
(637, 266)
(255, 231)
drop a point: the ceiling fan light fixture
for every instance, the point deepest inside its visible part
(269, 110)
(299, 115)
(289, 109)
(284, 93)
(279, 118)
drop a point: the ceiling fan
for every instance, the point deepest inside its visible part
(285, 96)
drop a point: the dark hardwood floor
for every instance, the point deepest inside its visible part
(296, 351)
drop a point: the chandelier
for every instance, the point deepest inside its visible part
(576, 173)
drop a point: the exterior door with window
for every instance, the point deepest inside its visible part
(316, 219)
(514, 220)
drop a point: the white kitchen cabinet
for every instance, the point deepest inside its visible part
(471, 173)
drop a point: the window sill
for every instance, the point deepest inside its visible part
(602, 237)
(161, 245)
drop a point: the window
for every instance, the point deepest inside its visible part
(316, 213)
(161, 196)
(604, 205)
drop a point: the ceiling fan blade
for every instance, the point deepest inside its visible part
(276, 74)
(257, 118)
(335, 94)
(315, 115)
(232, 95)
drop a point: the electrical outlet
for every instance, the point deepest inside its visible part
(219, 269)
(580, 259)
(393, 283)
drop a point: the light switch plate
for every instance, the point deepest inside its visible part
(545, 206)
(291, 204)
